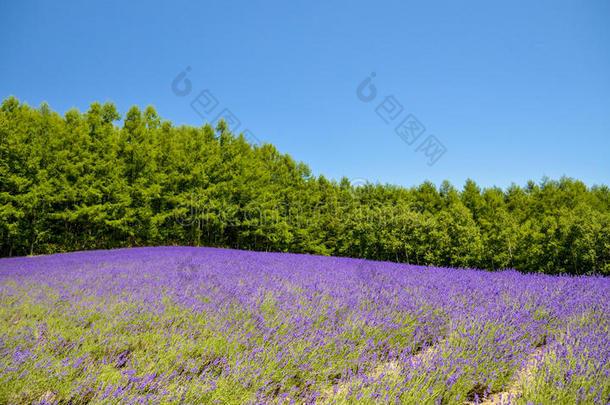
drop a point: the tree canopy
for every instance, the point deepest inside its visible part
(84, 181)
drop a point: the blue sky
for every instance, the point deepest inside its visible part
(513, 90)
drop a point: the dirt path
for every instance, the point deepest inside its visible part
(523, 376)
(389, 369)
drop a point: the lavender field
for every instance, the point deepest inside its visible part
(201, 325)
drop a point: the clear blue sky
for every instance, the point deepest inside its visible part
(513, 90)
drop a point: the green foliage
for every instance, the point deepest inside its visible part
(82, 182)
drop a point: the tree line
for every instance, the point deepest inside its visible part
(85, 181)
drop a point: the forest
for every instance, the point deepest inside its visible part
(87, 181)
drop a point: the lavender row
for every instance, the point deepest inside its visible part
(192, 325)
